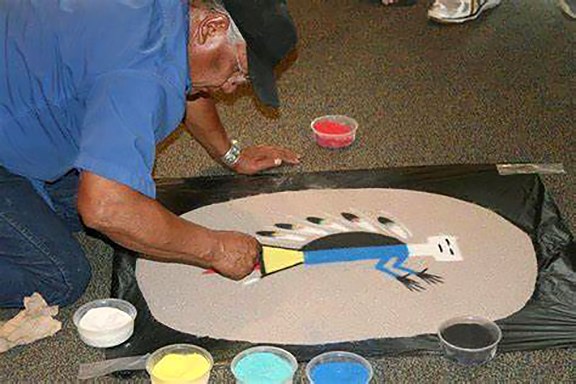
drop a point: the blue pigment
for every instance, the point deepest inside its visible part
(263, 368)
(340, 373)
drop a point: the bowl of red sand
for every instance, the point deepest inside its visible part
(334, 131)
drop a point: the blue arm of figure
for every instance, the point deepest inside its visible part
(340, 255)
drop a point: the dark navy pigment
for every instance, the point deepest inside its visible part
(340, 373)
(471, 336)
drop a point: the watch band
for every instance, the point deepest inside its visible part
(232, 156)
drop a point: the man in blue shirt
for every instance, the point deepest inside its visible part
(87, 90)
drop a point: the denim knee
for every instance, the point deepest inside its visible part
(58, 286)
(38, 252)
(72, 285)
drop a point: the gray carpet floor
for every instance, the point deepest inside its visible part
(497, 90)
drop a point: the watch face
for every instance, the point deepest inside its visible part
(373, 263)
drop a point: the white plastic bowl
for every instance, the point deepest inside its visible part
(106, 337)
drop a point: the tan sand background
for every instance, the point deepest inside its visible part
(351, 301)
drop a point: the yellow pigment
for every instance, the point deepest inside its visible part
(277, 259)
(182, 367)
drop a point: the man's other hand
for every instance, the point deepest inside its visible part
(262, 157)
(235, 255)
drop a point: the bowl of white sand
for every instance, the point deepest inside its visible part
(105, 323)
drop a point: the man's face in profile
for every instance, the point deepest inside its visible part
(216, 63)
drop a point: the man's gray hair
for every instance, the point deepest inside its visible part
(234, 35)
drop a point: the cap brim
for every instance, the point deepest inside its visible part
(263, 80)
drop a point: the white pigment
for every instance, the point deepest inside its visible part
(104, 319)
(105, 327)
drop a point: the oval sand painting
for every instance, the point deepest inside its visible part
(346, 265)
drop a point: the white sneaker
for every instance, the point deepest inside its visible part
(568, 7)
(459, 11)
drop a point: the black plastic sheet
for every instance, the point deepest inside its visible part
(548, 320)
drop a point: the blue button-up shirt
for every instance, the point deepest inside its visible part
(91, 85)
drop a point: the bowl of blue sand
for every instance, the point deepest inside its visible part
(339, 367)
(264, 365)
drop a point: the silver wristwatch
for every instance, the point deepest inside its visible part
(231, 157)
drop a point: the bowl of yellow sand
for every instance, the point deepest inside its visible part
(180, 363)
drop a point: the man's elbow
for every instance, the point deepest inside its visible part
(100, 202)
(95, 214)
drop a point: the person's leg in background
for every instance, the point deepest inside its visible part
(38, 252)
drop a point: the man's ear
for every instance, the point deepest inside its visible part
(214, 24)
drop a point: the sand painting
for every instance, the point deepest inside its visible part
(348, 265)
(351, 246)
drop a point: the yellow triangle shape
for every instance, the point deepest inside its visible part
(278, 259)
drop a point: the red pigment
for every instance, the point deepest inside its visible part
(212, 272)
(330, 134)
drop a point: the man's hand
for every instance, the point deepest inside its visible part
(235, 255)
(259, 158)
(204, 124)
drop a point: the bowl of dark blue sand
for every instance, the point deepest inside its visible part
(339, 367)
(469, 340)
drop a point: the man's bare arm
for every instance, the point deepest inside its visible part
(142, 224)
(203, 122)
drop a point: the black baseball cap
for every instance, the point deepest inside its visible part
(270, 34)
